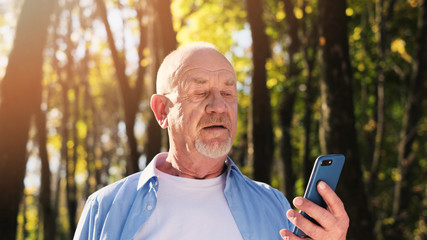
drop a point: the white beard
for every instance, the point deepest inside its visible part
(213, 150)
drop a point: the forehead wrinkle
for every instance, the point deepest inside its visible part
(197, 80)
(181, 70)
(200, 77)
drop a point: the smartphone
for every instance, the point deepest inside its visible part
(327, 168)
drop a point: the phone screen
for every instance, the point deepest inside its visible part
(327, 168)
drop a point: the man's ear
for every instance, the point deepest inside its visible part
(158, 105)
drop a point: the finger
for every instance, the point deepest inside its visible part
(288, 235)
(308, 227)
(318, 213)
(334, 203)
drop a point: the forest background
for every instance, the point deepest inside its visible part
(314, 77)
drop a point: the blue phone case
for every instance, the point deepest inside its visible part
(327, 168)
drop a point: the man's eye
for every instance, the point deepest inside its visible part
(201, 94)
(226, 94)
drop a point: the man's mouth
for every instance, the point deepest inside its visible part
(216, 126)
(215, 123)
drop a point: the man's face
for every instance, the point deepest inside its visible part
(203, 111)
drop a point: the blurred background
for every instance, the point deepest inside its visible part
(314, 77)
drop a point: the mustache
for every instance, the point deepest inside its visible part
(215, 120)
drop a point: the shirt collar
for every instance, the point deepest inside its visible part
(149, 171)
(231, 166)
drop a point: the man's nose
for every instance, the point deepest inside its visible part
(216, 102)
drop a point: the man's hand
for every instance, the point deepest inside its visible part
(333, 221)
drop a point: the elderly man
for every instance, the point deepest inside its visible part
(195, 191)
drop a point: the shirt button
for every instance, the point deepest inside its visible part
(149, 207)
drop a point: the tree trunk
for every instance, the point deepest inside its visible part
(379, 131)
(162, 43)
(261, 134)
(89, 141)
(20, 91)
(69, 152)
(376, 138)
(310, 96)
(412, 116)
(338, 133)
(288, 100)
(130, 102)
(65, 137)
(286, 114)
(382, 21)
(168, 34)
(57, 180)
(47, 213)
(71, 168)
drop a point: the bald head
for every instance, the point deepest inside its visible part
(183, 59)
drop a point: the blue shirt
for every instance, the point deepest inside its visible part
(118, 210)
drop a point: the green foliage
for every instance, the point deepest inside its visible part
(195, 21)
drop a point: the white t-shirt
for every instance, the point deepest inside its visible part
(190, 209)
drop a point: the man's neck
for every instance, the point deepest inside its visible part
(188, 168)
